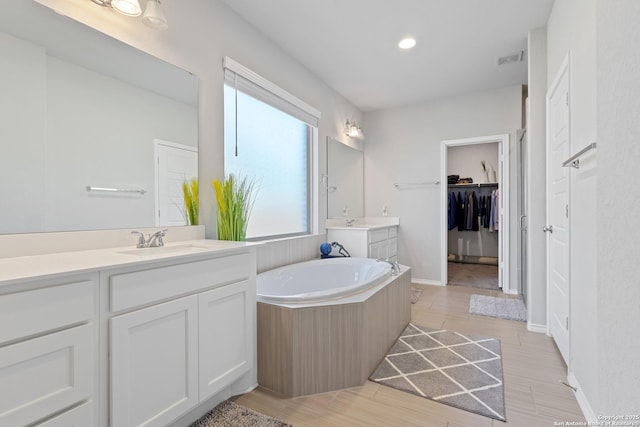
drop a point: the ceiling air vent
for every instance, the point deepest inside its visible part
(514, 57)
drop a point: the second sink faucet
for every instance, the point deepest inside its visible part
(154, 240)
(350, 222)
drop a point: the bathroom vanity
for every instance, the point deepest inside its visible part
(366, 237)
(125, 336)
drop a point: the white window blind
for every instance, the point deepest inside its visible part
(243, 79)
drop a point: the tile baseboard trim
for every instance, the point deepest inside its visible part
(426, 282)
(532, 327)
(583, 402)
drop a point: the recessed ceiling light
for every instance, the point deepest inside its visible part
(407, 43)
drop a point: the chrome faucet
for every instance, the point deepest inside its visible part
(395, 267)
(154, 240)
(350, 222)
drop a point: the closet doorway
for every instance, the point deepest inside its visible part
(475, 218)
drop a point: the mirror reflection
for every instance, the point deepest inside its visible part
(345, 184)
(95, 134)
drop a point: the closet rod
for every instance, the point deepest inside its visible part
(476, 185)
(574, 160)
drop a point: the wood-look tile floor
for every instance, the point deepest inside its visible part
(472, 275)
(532, 368)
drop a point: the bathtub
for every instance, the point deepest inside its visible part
(320, 280)
(325, 325)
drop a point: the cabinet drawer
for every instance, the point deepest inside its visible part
(79, 416)
(378, 235)
(44, 375)
(28, 313)
(139, 288)
(393, 232)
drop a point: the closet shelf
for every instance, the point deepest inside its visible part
(476, 185)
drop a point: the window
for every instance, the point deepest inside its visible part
(269, 138)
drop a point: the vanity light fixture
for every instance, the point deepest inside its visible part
(154, 16)
(353, 130)
(127, 7)
(407, 43)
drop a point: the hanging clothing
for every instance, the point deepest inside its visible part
(452, 211)
(461, 212)
(475, 226)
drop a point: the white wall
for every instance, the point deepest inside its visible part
(403, 145)
(617, 204)
(536, 180)
(571, 29)
(22, 136)
(200, 33)
(465, 161)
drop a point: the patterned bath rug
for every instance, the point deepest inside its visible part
(415, 294)
(502, 308)
(230, 414)
(459, 370)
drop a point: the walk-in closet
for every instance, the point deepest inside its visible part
(473, 220)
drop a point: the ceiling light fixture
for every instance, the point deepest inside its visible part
(127, 7)
(353, 130)
(407, 43)
(154, 16)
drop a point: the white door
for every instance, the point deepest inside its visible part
(557, 229)
(154, 356)
(226, 338)
(175, 163)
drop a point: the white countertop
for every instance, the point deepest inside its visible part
(20, 269)
(364, 227)
(367, 223)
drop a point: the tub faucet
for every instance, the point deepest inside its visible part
(395, 267)
(341, 250)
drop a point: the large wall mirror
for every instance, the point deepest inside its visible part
(95, 134)
(345, 184)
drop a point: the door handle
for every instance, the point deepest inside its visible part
(549, 229)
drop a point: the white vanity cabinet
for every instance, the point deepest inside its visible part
(379, 242)
(48, 352)
(154, 357)
(178, 335)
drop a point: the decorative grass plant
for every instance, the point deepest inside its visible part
(235, 197)
(190, 190)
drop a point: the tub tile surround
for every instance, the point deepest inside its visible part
(310, 350)
(281, 252)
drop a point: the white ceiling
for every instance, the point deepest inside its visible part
(352, 44)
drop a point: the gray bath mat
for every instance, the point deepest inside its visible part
(229, 414)
(502, 308)
(459, 370)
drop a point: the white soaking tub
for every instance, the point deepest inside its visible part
(320, 280)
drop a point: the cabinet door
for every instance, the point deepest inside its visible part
(226, 335)
(154, 355)
(44, 375)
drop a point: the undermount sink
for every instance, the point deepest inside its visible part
(160, 250)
